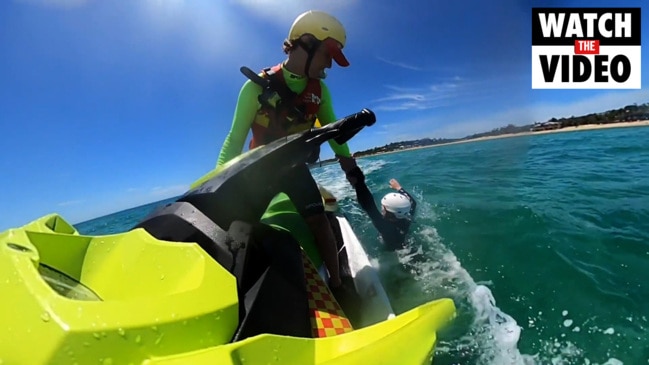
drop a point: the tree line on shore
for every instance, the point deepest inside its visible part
(628, 113)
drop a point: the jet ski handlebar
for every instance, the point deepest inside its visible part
(343, 129)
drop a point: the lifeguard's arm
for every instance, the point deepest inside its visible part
(244, 113)
(326, 115)
(413, 202)
(366, 201)
(394, 184)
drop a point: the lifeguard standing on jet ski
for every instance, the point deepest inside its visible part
(290, 100)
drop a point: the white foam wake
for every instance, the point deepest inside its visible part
(493, 335)
(500, 327)
(428, 270)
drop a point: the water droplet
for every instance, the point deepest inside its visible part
(159, 339)
(86, 344)
(45, 317)
(104, 334)
(155, 328)
(107, 361)
(162, 277)
(138, 339)
(121, 332)
(276, 354)
(96, 335)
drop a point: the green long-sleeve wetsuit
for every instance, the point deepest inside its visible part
(248, 105)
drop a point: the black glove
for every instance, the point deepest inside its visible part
(346, 163)
(355, 175)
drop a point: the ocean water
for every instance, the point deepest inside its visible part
(542, 241)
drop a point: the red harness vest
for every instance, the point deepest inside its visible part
(291, 114)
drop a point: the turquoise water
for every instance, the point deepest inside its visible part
(542, 241)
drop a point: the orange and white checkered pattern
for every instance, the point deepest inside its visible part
(327, 318)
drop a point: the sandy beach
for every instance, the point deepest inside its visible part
(586, 127)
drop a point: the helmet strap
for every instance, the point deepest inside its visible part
(311, 47)
(307, 65)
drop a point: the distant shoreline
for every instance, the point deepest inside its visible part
(584, 127)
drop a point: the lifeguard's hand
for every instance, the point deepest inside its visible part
(352, 172)
(355, 176)
(346, 163)
(394, 184)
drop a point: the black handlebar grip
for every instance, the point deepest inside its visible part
(352, 124)
(361, 119)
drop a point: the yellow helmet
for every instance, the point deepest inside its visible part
(325, 28)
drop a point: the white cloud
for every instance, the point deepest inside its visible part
(426, 68)
(400, 64)
(56, 3)
(430, 96)
(541, 112)
(443, 91)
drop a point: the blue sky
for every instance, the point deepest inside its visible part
(106, 105)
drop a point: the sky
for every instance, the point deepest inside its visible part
(109, 104)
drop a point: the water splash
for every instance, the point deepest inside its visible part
(492, 335)
(427, 270)
(45, 317)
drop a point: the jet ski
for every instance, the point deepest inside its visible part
(222, 275)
